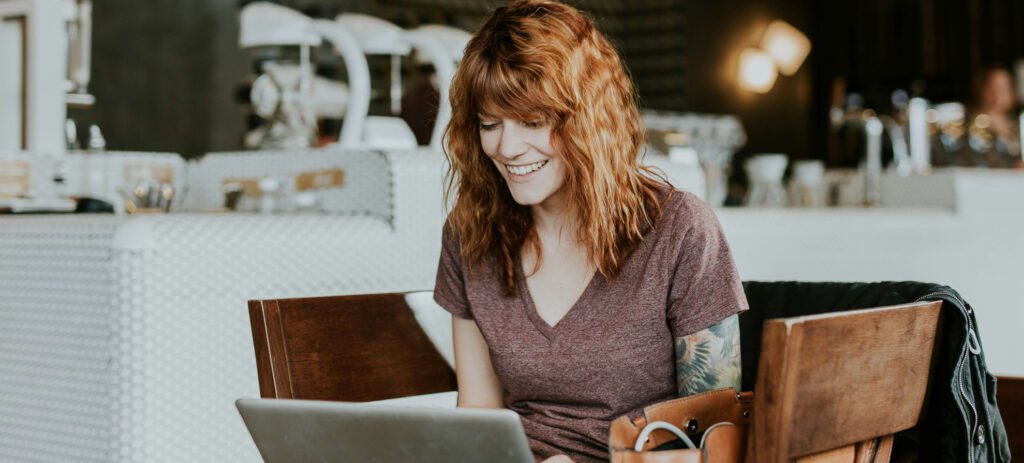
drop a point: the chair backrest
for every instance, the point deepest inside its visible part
(826, 382)
(1011, 409)
(347, 348)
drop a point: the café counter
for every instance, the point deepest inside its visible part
(961, 228)
(127, 338)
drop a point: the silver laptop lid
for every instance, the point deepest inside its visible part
(298, 431)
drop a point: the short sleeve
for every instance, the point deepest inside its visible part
(450, 286)
(705, 287)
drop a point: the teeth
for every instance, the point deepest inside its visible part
(523, 170)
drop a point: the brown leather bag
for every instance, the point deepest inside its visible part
(715, 422)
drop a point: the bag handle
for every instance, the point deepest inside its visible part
(645, 434)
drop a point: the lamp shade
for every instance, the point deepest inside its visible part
(757, 71)
(786, 45)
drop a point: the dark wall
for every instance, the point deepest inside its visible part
(776, 121)
(164, 73)
(929, 48)
(880, 45)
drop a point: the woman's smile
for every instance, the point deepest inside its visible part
(524, 172)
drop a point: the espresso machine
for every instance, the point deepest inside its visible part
(285, 93)
(353, 37)
(290, 98)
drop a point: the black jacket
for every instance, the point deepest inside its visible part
(961, 422)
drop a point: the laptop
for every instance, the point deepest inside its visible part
(298, 431)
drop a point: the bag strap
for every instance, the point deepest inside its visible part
(645, 435)
(695, 413)
(691, 414)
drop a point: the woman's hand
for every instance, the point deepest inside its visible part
(558, 459)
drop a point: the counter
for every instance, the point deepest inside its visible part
(976, 246)
(127, 339)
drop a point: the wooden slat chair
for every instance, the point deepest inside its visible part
(831, 387)
(835, 387)
(345, 348)
(1010, 395)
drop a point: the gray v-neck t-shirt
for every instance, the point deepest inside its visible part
(612, 353)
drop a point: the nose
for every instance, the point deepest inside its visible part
(513, 140)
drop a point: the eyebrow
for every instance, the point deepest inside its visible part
(531, 117)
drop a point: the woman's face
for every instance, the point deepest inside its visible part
(998, 93)
(522, 152)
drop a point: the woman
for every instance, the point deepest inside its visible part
(582, 286)
(993, 133)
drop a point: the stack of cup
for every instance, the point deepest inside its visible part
(807, 185)
(765, 173)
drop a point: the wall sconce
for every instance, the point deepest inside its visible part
(787, 45)
(757, 70)
(783, 49)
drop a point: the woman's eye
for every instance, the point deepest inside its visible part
(489, 125)
(533, 124)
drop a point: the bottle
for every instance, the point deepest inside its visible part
(71, 135)
(95, 164)
(96, 140)
(920, 140)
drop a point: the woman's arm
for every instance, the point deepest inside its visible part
(709, 359)
(479, 387)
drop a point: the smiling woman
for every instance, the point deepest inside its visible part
(546, 70)
(523, 154)
(583, 286)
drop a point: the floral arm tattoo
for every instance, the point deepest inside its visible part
(709, 359)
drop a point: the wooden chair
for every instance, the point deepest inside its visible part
(835, 387)
(344, 348)
(1010, 395)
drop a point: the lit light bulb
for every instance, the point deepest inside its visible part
(787, 46)
(757, 71)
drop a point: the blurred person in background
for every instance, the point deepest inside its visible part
(993, 135)
(420, 102)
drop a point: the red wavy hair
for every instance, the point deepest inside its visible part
(536, 58)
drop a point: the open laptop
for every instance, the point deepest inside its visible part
(298, 431)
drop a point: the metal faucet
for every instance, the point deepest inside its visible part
(901, 159)
(920, 139)
(873, 161)
(866, 121)
(873, 127)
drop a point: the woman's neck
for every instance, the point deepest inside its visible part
(552, 217)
